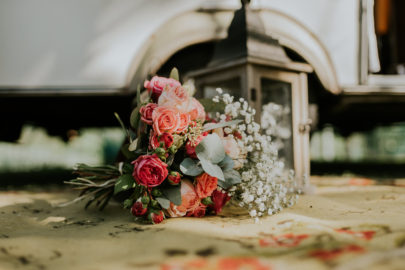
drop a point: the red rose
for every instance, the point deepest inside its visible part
(174, 178)
(156, 218)
(191, 145)
(149, 170)
(206, 184)
(155, 140)
(146, 112)
(219, 199)
(138, 209)
(157, 84)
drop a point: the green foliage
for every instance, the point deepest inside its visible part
(231, 177)
(191, 167)
(173, 194)
(128, 203)
(124, 182)
(164, 203)
(211, 149)
(211, 106)
(212, 169)
(174, 74)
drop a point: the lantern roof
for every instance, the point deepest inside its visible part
(247, 38)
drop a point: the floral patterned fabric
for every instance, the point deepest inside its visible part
(351, 224)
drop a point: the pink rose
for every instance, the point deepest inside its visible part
(231, 147)
(156, 217)
(157, 84)
(146, 113)
(220, 199)
(175, 97)
(165, 119)
(149, 170)
(196, 110)
(138, 209)
(206, 184)
(189, 200)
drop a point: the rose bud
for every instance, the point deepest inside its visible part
(174, 178)
(156, 217)
(167, 139)
(138, 209)
(156, 84)
(160, 151)
(156, 193)
(219, 199)
(145, 200)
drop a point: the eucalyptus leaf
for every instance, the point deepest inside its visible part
(212, 169)
(190, 167)
(165, 203)
(173, 194)
(174, 74)
(227, 163)
(124, 182)
(232, 177)
(133, 145)
(211, 126)
(211, 149)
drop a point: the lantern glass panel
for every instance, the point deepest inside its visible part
(231, 86)
(276, 108)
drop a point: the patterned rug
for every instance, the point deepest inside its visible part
(351, 223)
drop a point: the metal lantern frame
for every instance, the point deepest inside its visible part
(249, 55)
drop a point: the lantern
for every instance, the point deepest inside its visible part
(251, 64)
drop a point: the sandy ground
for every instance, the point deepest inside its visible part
(36, 234)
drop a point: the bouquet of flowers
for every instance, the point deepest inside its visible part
(184, 158)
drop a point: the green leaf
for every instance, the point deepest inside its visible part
(122, 125)
(211, 126)
(135, 117)
(211, 149)
(133, 145)
(124, 182)
(212, 169)
(125, 151)
(190, 167)
(232, 177)
(173, 194)
(211, 106)
(165, 203)
(138, 95)
(128, 203)
(227, 163)
(174, 74)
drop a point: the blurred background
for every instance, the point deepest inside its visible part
(67, 66)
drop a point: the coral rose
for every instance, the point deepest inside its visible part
(184, 122)
(146, 113)
(189, 200)
(219, 199)
(199, 211)
(206, 184)
(165, 119)
(196, 110)
(157, 84)
(149, 170)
